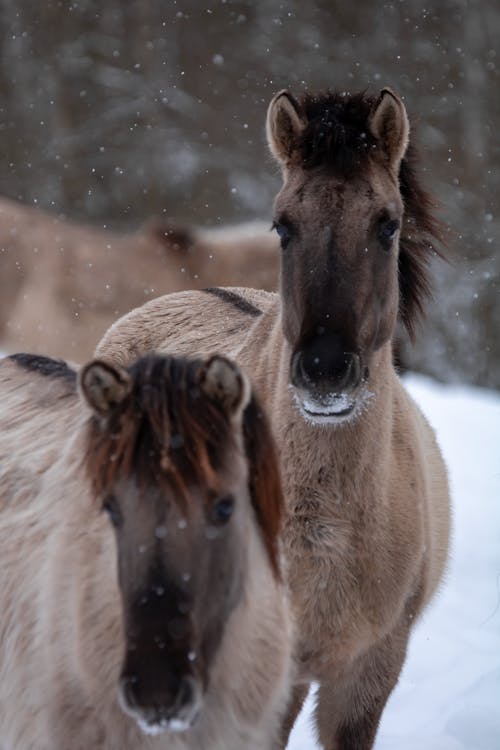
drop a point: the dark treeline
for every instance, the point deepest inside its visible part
(113, 111)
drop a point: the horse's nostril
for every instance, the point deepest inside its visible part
(353, 377)
(128, 684)
(186, 694)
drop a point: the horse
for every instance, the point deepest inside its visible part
(141, 583)
(368, 524)
(63, 284)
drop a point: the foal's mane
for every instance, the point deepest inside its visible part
(338, 137)
(169, 434)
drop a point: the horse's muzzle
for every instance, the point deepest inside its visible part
(160, 711)
(325, 367)
(327, 380)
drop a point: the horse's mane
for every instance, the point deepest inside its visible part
(337, 136)
(167, 433)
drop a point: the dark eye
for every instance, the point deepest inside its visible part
(283, 233)
(223, 510)
(110, 506)
(388, 230)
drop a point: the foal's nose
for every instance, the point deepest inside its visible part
(323, 362)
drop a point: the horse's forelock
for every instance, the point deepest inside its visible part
(164, 433)
(338, 137)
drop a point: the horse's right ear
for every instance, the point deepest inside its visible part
(285, 123)
(389, 124)
(222, 380)
(173, 236)
(103, 386)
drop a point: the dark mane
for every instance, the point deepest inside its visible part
(45, 366)
(167, 433)
(337, 136)
(421, 235)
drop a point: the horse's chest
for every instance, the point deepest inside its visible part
(326, 541)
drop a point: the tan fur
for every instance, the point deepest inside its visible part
(367, 535)
(61, 638)
(369, 518)
(62, 284)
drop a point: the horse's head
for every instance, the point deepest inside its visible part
(340, 216)
(182, 461)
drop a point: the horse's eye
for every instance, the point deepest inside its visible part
(283, 233)
(223, 510)
(388, 230)
(110, 506)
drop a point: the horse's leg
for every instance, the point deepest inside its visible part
(297, 698)
(348, 709)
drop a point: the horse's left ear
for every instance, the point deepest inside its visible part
(103, 386)
(389, 124)
(223, 381)
(285, 123)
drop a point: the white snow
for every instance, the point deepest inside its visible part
(448, 696)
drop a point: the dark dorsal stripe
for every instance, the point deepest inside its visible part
(51, 368)
(234, 299)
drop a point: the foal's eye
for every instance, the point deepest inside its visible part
(283, 233)
(223, 510)
(388, 230)
(110, 506)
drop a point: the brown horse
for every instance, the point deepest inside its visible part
(140, 584)
(63, 284)
(365, 484)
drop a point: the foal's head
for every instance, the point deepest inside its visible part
(355, 231)
(182, 461)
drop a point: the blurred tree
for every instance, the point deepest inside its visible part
(113, 111)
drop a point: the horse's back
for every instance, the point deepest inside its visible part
(189, 323)
(37, 406)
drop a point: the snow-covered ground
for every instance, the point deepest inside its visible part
(448, 696)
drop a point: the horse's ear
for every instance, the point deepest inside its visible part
(103, 386)
(285, 123)
(173, 236)
(389, 124)
(223, 381)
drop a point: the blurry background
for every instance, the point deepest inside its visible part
(115, 110)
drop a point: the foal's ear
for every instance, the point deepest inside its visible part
(103, 386)
(223, 381)
(285, 123)
(389, 124)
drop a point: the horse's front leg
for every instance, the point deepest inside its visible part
(297, 698)
(348, 709)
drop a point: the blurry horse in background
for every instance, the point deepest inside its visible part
(140, 586)
(62, 284)
(365, 483)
